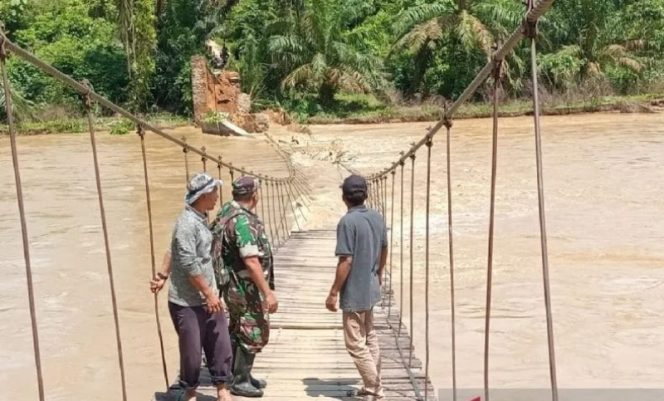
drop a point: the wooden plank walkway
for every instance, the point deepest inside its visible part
(306, 356)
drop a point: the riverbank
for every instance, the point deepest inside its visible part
(374, 112)
(75, 125)
(354, 109)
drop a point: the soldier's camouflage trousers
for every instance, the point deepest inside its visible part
(248, 325)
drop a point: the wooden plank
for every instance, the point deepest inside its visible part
(306, 357)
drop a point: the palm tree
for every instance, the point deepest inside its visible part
(425, 29)
(316, 54)
(594, 41)
(138, 35)
(22, 108)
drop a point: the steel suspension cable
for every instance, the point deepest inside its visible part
(301, 185)
(280, 222)
(382, 198)
(286, 202)
(450, 235)
(24, 226)
(204, 159)
(282, 212)
(221, 192)
(390, 292)
(542, 211)
(489, 278)
(300, 194)
(290, 202)
(377, 196)
(265, 195)
(277, 215)
(412, 256)
(385, 198)
(374, 198)
(274, 215)
(185, 150)
(406, 366)
(402, 164)
(291, 193)
(429, 144)
(262, 202)
(148, 201)
(109, 264)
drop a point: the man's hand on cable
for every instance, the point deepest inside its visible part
(156, 284)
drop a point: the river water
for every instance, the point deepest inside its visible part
(71, 285)
(604, 176)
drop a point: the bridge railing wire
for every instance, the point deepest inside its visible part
(527, 29)
(275, 194)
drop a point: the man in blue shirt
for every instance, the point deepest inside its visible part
(362, 251)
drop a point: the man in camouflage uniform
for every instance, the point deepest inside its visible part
(244, 264)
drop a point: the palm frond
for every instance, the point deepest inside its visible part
(630, 63)
(473, 33)
(618, 54)
(420, 35)
(414, 16)
(614, 51)
(353, 81)
(502, 15)
(288, 49)
(304, 75)
(22, 108)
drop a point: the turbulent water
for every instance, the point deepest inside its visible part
(604, 178)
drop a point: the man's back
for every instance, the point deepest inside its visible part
(361, 234)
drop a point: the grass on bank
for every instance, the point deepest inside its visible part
(358, 109)
(73, 125)
(362, 109)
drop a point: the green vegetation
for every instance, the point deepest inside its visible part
(328, 59)
(114, 125)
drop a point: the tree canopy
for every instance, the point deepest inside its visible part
(137, 52)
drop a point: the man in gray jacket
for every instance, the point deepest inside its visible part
(362, 251)
(193, 298)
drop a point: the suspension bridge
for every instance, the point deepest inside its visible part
(306, 357)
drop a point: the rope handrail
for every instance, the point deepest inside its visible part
(285, 191)
(87, 91)
(23, 221)
(531, 17)
(527, 29)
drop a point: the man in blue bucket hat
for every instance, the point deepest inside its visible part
(193, 296)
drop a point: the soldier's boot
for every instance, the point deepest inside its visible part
(242, 385)
(258, 383)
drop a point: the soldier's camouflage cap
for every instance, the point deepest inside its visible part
(245, 185)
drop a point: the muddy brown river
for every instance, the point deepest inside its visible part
(604, 182)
